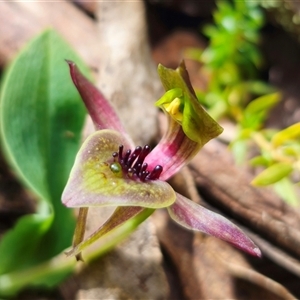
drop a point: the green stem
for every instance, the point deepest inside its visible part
(262, 142)
(61, 266)
(80, 229)
(12, 282)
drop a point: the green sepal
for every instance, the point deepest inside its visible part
(196, 123)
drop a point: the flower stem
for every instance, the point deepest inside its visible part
(80, 229)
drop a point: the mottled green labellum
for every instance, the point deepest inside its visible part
(97, 180)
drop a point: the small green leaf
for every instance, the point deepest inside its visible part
(258, 87)
(293, 149)
(263, 103)
(290, 133)
(272, 174)
(259, 161)
(257, 110)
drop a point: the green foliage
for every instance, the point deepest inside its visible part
(231, 63)
(250, 121)
(41, 121)
(232, 58)
(284, 136)
(233, 53)
(280, 156)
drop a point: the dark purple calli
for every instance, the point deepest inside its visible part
(110, 171)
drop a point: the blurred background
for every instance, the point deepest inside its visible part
(243, 58)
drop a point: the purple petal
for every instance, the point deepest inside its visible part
(100, 110)
(193, 216)
(96, 180)
(173, 151)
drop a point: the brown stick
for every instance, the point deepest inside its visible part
(257, 279)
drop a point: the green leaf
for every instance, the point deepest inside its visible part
(292, 149)
(31, 228)
(257, 87)
(41, 120)
(286, 190)
(272, 174)
(290, 133)
(257, 110)
(263, 103)
(259, 160)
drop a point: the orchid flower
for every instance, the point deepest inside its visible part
(110, 171)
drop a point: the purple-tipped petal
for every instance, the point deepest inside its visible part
(195, 217)
(98, 180)
(173, 151)
(100, 110)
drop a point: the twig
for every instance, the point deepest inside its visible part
(256, 278)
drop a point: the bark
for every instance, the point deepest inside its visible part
(127, 74)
